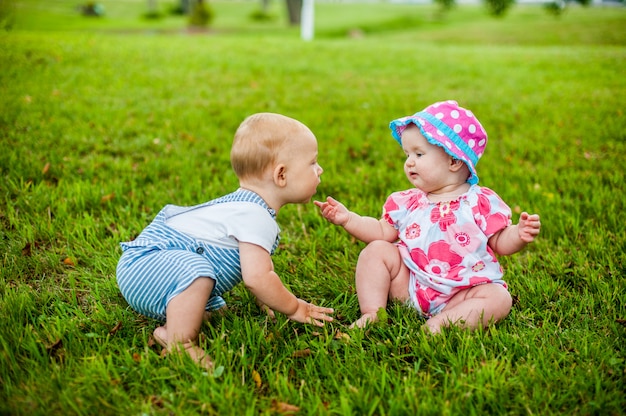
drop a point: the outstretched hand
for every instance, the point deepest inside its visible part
(268, 311)
(334, 211)
(308, 313)
(528, 227)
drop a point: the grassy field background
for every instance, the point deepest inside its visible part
(105, 120)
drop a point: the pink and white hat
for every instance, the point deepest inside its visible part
(452, 127)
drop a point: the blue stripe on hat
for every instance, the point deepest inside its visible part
(451, 134)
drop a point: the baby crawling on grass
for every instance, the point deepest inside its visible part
(181, 264)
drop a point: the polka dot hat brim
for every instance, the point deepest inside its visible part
(450, 126)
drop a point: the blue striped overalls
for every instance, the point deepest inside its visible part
(162, 262)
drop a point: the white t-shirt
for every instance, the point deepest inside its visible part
(226, 224)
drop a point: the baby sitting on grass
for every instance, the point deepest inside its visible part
(436, 244)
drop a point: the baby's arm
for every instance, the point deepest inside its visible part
(515, 237)
(366, 229)
(259, 277)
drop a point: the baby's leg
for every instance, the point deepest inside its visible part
(184, 315)
(473, 308)
(160, 333)
(380, 275)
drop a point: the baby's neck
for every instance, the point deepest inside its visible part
(262, 190)
(448, 193)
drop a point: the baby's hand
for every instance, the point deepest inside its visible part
(269, 311)
(307, 313)
(334, 211)
(528, 227)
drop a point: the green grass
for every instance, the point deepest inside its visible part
(105, 121)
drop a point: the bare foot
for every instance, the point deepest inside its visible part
(196, 353)
(430, 328)
(160, 336)
(364, 320)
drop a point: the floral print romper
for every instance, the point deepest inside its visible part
(444, 244)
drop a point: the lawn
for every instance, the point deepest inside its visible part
(105, 120)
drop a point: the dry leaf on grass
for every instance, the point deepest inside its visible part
(26, 251)
(54, 347)
(342, 336)
(116, 328)
(282, 407)
(107, 198)
(302, 353)
(257, 378)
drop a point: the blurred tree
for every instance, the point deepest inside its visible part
(153, 10)
(7, 14)
(184, 6)
(444, 7)
(91, 8)
(557, 7)
(263, 14)
(498, 8)
(201, 14)
(294, 7)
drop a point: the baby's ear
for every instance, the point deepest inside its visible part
(456, 164)
(279, 175)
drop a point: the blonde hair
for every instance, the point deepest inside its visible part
(259, 140)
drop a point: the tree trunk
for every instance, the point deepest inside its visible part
(295, 8)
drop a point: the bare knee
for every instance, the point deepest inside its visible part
(381, 265)
(474, 307)
(381, 252)
(377, 247)
(502, 299)
(497, 301)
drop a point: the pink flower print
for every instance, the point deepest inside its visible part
(440, 261)
(414, 204)
(478, 266)
(463, 238)
(425, 297)
(390, 205)
(411, 200)
(412, 231)
(475, 281)
(481, 210)
(437, 267)
(489, 223)
(443, 213)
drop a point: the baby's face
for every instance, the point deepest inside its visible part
(303, 172)
(426, 165)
